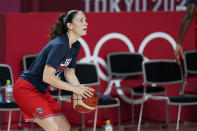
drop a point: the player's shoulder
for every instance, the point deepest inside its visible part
(59, 40)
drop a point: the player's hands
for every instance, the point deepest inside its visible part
(83, 90)
(179, 53)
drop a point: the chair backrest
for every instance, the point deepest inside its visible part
(161, 72)
(87, 74)
(28, 60)
(5, 74)
(190, 62)
(124, 64)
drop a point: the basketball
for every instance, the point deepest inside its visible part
(83, 105)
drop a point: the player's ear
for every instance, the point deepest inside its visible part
(69, 25)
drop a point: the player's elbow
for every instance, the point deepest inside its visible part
(48, 74)
(47, 78)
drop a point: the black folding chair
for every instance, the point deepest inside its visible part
(122, 65)
(190, 67)
(165, 72)
(28, 60)
(6, 74)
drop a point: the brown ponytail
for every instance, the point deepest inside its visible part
(60, 27)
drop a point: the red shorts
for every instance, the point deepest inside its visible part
(33, 103)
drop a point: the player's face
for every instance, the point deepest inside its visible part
(79, 24)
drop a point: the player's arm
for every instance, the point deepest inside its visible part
(69, 74)
(50, 78)
(186, 22)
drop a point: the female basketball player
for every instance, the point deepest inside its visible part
(59, 55)
(186, 22)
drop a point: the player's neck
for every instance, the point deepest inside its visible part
(72, 38)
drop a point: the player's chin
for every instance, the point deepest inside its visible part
(84, 33)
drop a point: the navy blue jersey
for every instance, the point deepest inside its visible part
(191, 1)
(57, 54)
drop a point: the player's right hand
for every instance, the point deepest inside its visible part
(179, 53)
(83, 90)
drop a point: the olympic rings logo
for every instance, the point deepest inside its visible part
(98, 60)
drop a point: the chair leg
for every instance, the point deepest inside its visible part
(9, 121)
(132, 111)
(83, 121)
(140, 117)
(141, 110)
(59, 98)
(95, 119)
(119, 121)
(60, 103)
(32, 125)
(167, 115)
(178, 118)
(20, 119)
